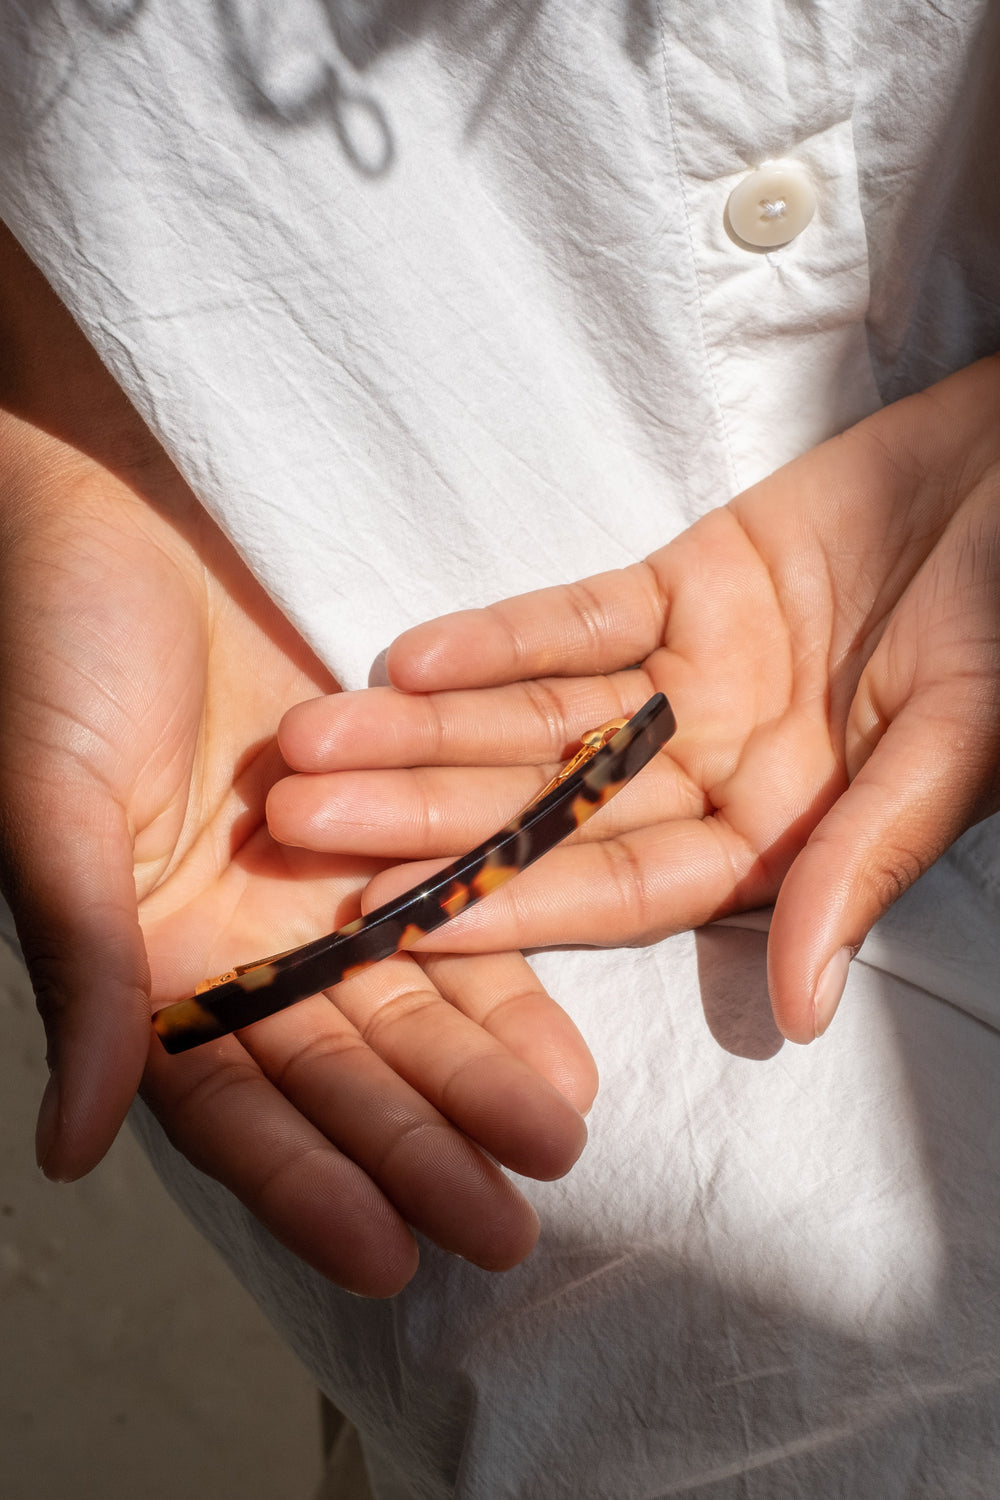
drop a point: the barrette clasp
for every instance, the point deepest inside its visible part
(590, 743)
(239, 970)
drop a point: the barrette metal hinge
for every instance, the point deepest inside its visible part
(590, 743)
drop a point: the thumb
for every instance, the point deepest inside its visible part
(66, 871)
(932, 774)
(922, 746)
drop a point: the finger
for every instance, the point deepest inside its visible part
(626, 890)
(400, 814)
(597, 625)
(434, 1175)
(432, 811)
(931, 775)
(464, 1071)
(500, 992)
(223, 1114)
(67, 875)
(522, 723)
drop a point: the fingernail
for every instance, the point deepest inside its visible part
(47, 1129)
(829, 989)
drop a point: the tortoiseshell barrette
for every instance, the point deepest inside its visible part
(608, 758)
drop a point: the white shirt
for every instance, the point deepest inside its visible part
(436, 303)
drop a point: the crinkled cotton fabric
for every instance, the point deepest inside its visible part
(435, 302)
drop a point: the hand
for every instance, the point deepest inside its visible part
(830, 642)
(143, 672)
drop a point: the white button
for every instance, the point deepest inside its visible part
(772, 205)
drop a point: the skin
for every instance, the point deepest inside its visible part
(142, 676)
(830, 642)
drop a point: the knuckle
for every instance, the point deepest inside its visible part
(435, 729)
(380, 1031)
(427, 814)
(192, 1113)
(412, 1145)
(544, 702)
(892, 873)
(589, 613)
(634, 894)
(317, 1051)
(47, 972)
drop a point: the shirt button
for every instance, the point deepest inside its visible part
(772, 205)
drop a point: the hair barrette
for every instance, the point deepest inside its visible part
(607, 760)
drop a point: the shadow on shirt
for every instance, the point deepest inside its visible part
(302, 61)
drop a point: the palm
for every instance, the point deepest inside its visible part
(835, 625)
(163, 672)
(222, 665)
